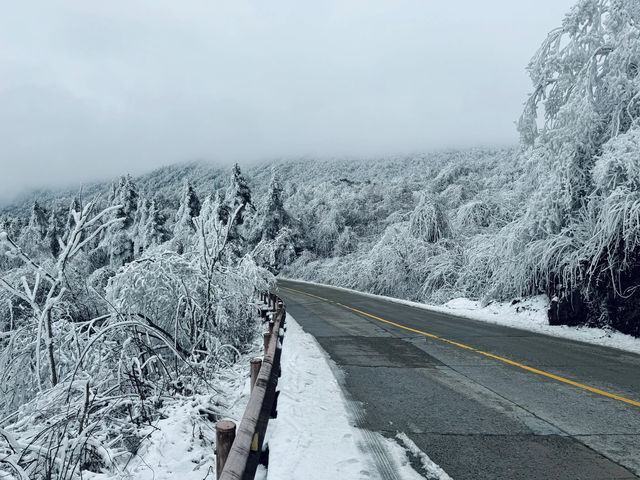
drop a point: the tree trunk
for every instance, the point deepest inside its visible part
(52, 360)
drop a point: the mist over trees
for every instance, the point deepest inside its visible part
(116, 297)
(559, 216)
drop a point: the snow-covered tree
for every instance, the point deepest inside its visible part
(184, 227)
(189, 205)
(428, 221)
(271, 214)
(48, 286)
(53, 235)
(239, 194)
(139, 226)
(34, 233)
(237, 198)
(154, 232)
(76, 206)
(586, 82)
(119, 239)
(577, 240)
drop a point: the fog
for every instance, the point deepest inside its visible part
(93, 90)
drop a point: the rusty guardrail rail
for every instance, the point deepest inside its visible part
(237, 458)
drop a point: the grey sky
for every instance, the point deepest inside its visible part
(96, 89)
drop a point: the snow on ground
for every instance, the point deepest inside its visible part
(528, 314)
(314, 437)
(429, 466)
(182, 444)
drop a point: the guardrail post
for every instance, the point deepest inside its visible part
(267, 337)
(225, 435)
(256, 364)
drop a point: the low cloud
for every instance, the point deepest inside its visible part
(93, 90)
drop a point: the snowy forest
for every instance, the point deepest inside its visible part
(117, 296)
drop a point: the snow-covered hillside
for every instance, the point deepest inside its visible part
(116, 298)
(113, 318)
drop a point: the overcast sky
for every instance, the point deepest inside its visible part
(92, 89)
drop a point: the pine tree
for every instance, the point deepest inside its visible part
(52, 235)
(155, 232)
(119, 240)
(38, 220)
(272, 215)
(238, 201)
(239, 195)
(222, 210)
(140, 226)
(189, 209)
(32, 236)
(128, 198)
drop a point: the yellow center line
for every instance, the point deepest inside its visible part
(486, 354)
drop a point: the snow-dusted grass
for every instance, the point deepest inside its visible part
(314, 437)
(181, 445)
(528, 314)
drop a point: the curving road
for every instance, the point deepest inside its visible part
(483, 401)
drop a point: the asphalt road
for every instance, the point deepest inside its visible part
(483, 401)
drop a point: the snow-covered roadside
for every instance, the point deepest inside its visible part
(182, 443)
(528, 314)
(314, 437)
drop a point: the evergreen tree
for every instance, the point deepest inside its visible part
(222, 210)
(272, 216)
(237, 199)
(154, 232)
(189, 209)
(119, 240)
(128, 198)
(239, 195)
(52, 235)
(38, 220)
(140, 226)
(189, 206)
(32, 236)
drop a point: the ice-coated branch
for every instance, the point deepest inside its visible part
(15, 250)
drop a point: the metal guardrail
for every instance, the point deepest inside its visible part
(238, 458)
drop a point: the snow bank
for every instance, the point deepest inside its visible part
(528, 314)
(314, 437)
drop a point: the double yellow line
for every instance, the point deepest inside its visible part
(486, 354)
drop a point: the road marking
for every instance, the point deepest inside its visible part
(486, 354)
